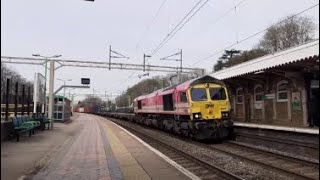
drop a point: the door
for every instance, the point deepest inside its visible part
(314, 103)
(247, 107)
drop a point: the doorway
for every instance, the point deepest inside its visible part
(314, 103)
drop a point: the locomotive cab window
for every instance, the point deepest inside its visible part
(167, 102)
(218, 94)
(183, 97)
(139, 105)
(198, 94)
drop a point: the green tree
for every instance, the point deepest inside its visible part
(244, 56)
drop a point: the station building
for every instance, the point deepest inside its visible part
(276, 89)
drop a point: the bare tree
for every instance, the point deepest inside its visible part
(291, 32)
(13, 76)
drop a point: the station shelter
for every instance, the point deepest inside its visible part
(276, 89)
(61, 108)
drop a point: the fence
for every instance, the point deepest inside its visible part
(17, 99)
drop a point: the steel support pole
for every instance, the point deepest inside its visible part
(45, 86)
(64, 96)
(144, 62)
(7, 99)
(109, 58)
(181, 61)
(180, 77)
(51, 86)
(28, 100)
(16, 100)
(23, 99)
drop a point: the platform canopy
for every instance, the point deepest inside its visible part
(306, 55)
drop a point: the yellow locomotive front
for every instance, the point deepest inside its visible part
(209, 101)
(210, 110)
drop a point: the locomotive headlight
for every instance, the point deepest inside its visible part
(224, 114)
(197, 115)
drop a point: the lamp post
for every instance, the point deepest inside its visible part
(64, 94)
(51, 83)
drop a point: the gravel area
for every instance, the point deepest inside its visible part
(226, 162)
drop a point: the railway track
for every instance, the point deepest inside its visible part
(198, 166)
(279, 140)
(302, 145)
(291, 166)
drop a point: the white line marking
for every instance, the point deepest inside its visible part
(166, 158)
(273, 127)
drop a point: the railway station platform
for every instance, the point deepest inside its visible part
(90, 147)
(277, 128)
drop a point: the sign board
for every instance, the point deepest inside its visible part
(258, 105)
(39, 96)
(296, 101)
(85, 81)
(269, 96)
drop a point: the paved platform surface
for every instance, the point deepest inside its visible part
(102, 150)
(31, 153)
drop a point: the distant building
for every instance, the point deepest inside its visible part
(279, 89)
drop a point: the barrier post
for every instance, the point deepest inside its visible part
(7, 99)
(22, 103)
(16, 99)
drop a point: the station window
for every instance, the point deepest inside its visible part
(60, 108)
(282, 91)
(59, 116)
(239, 95)
(258, 93)
(183, 97)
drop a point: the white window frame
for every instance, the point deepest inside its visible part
(278, 92)
(242, 95)
(254, 92)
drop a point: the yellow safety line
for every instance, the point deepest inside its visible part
(130, 168)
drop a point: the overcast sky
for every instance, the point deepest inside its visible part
(83, 30)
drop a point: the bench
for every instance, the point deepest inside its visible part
(20, 125)
(35, 122)
(44, 120)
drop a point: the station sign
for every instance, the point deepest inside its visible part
(269, 96)
(85, 81)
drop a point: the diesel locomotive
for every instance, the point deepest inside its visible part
(198, 108)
